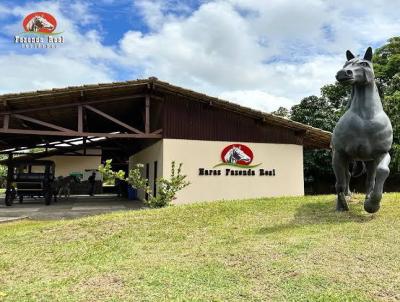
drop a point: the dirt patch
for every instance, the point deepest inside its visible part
(101, 287)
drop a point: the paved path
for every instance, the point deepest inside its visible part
(74, 207)
(11, 218)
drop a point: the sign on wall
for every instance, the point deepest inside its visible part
(238, 160)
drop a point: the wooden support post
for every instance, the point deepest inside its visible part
(10, 168)
(6, 121)
(80, 119)
(147, 115)
(84, 146)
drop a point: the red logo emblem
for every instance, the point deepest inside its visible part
(39, 22)
(237, 154)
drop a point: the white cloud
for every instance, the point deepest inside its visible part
(158, 12)
(256, 99)
(262, 54)
(238, 49)
(189, 51)
(43, 72)
(81, 9)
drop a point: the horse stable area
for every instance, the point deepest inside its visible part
(228, 151)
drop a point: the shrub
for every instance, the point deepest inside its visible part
(109, 176)
(167, 188)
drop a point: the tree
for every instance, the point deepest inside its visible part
(337, 95)
(386, 61)
(387, 72)
(320, 112)
(282, 111)
(314, 111)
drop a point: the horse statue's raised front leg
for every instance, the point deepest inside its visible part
(371, 167)
(376, 178)
(340, 165)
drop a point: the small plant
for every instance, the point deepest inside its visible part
(167, 188)
(109, 175)
(3, 176)
(136, 180)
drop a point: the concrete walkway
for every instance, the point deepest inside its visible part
(11, 218)
(74, 207)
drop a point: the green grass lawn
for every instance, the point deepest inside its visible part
(276, 249)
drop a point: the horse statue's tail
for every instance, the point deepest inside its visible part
(358, 169)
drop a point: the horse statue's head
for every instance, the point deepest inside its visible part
(236, 154)
(357, 71)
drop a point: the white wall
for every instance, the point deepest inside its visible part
(149, 156)
(68, 164)
(287, 160)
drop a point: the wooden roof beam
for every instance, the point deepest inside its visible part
(60, 106)
(41, 123)
(83, 134)
(113, 119)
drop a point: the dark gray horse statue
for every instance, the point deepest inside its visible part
(364, 133)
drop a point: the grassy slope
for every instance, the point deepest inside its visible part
(283, 249)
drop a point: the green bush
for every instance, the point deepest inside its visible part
(167, 188)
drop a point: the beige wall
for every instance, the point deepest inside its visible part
(149, 156)
(67, 164)
(287, 160)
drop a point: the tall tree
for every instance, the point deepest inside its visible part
(387, 72)
(386, 61)
(281, 111)
(314, 111)
(320, 112)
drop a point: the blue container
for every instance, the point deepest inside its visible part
(132, 193)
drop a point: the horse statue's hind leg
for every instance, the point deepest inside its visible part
(347, 191)
(340, 165)
(376, 178)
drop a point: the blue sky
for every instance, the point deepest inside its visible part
(261, 54)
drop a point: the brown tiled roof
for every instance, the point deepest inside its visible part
(313, 137)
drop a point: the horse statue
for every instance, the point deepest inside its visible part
(364, 133)
(236, 154)
(37, 23)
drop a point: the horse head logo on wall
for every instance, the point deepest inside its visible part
(237, 155)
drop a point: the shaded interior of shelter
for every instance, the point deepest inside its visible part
(153, 108)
